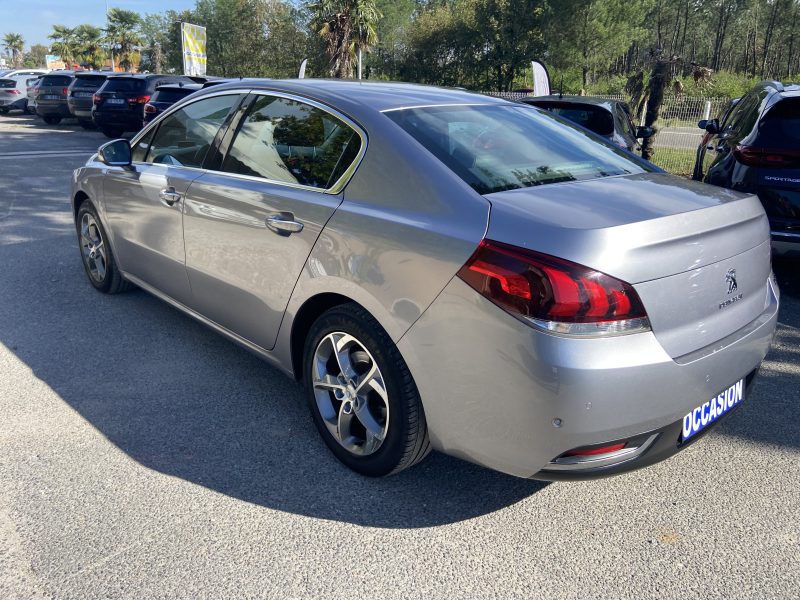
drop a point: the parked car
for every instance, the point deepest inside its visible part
(13, 94)
(51, 98)
(33, 92)
(757, 150)
(80, 94)
(719, 122)
(442, 270)
(167, 95)
(119, 102)
(608, 118)
(23, 72)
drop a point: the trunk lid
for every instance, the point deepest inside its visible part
(676, 241)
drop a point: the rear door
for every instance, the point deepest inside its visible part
(250, 226)
(144, 202)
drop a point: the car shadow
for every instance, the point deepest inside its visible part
(181, 400)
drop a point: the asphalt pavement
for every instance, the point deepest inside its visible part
(143, 456)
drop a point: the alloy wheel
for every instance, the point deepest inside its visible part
(350, 393)
(93, 248)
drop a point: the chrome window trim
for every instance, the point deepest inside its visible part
(338, 185)
(411, 107)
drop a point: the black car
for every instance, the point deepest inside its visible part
(704, 143)
(167, 95)
(51, 101)
(119, 103)
(757, 150)
(608, 118)
(80, 93)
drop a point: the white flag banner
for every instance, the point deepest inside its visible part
(193, 41)
(541, 79)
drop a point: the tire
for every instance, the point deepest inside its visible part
(96, 254)
(52, 119)
(86, 124)
(3, 110)
(397, 435)
(111, 132)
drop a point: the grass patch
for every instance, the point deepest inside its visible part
(678, 161)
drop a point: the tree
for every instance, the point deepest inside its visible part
(89, 45)
(14, 44)
(64, 44)
(345, 26)
(35, 57)
(122, 34)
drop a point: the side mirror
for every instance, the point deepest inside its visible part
(644, 132)
(116, 153)
(711, 126)
(702, 124)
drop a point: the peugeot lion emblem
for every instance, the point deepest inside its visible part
(730, 279)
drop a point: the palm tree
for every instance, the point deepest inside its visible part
(122, 33)
(89, 45)
(64, 44)
(346, 26)
(14, 43)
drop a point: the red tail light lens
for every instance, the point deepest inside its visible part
(150, 109)
(755, 156)
(139, 100)
(554, 294)
(96, 99)
(595, 451)
(64, 91)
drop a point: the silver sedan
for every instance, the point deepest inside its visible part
(442, 270)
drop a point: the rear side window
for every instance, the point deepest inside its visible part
(171, 96)
(780, 127)
(184, 138)
(123, 84)
(7, 83)
(505, 147)
(56, 80)
(292, 142)
(594, 118)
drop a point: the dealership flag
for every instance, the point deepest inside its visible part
(541, 79)
(193, 40)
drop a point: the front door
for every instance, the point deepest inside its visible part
(250, 227)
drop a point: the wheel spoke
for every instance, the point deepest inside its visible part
(375, 432)
(341, 351)
(329, 382)
(343, 427)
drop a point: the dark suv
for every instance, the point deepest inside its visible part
(119, 103)
(167, 95)
(79, 97)
(757, 150)
(51, 101)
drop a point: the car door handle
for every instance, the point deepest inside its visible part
(169, 196)
(284, 224)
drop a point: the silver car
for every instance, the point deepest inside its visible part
(442, 270)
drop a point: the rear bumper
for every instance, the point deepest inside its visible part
(124, 119)
(81, 110)
(12, 103)
(501, 394)
(46, 108)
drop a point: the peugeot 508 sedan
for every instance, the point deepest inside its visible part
(442, 270)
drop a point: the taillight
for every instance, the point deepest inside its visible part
(64, 91)
(553, 294)
(595, 451)
(150, 109)
(756, 156)
(96, 99)
(15, 91)
(139, 100)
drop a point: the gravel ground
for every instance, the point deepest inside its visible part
(143, 456)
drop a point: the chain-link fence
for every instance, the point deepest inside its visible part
(677, 135)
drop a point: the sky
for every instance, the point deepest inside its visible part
(34, 19)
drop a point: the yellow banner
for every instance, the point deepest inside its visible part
(193, 39)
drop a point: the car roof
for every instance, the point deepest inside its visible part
(91, 74)
(193, 87)
(142, 76)
(589, 100)
(376, 95)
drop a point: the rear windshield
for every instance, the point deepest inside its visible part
(8, 83)
(56, 80)
(594, 118)
(496, 148)
(123, 84)
(780, 127)
(89, 81)
(170, 95)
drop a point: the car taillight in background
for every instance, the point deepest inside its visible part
(96, 99)
(64, 91)
(150, 109)
(755, 156)
(552, 294)
(12, 91)
(139, 100)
